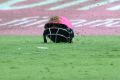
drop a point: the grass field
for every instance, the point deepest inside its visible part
(88, 58)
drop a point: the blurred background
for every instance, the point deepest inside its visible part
(88, 17)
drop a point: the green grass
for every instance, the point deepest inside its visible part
(88, 58)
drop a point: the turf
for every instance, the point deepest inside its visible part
(88, 58)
